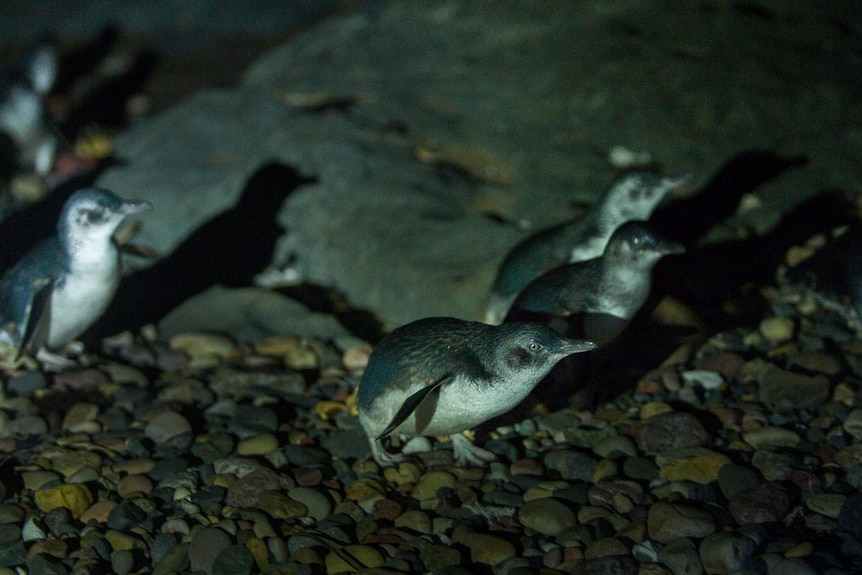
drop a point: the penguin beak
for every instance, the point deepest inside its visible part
(134, 207)
(668, 247)
(676, 181)
(571, 346)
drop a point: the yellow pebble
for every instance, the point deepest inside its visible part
(75, 497)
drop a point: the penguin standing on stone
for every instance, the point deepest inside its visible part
(632, 197)
(600, 295)
(442, 376)
(23, 117)
(56, 291)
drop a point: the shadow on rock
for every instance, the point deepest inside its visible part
(228, 250)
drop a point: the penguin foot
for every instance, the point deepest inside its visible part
(383, 457)
(53, 362)
(467, 452)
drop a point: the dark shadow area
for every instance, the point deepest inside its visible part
(228, 250)
(105, 103)
(689, 220)
(360, 322)
(81, 60)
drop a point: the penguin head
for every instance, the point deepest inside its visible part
(637, 244)
(95, 214)
(636, 194)
(531, 350)
(40, 67)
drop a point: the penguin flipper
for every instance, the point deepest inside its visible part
(412, 403)
(36, 329)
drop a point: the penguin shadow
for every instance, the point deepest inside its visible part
(79, 61)
(228, 250)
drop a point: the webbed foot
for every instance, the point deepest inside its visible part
(467, 452)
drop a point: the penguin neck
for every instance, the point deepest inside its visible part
(625, 286)
(90, 252)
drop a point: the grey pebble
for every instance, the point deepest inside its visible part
(27, 384)
(571, 465)
(126, 515)
(681, 557)
(45, 564)
(672, 430)
(347, 443)
(175, 560)
(32, 530)
(26, 425)
(162, 544)
(10, 533)
(235, 560)
(767, 502)
(734, 478)
(205, 545)
(122, 562)
(251, 420)
(640, 468)
(318, 503)
(611, 565)
(725, 552)
(306, 456)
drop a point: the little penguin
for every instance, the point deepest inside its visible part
(57, 290)
(442, 376)
(602, 294)
(23, 117)
(632, 197)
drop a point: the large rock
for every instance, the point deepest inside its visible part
(546, 89)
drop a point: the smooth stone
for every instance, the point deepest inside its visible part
(10, 533)
(244, 491)
(771, 438)
(853, 424)
(777, 329)
(120, 541)
(279, 506)
(134, 485)
(773, 465)
(27, 384)
(260, 444)
(365, 555)
(430, 483)
(44, 564)
(122, 562)
(98, 512)
(768, 502)
(641, 468)
(414, 520)
(137, 466)
(621, 495)
(254, 419)
(167, 426)
(572, 465)
(204, 345)
(484, 548)
(350, 444)
(616, 565)
(614, 446)
(826, 504)
(69, 464)
(10, 513)
(703, 378)
(669, 521)
(175, 560)
(26, 426)
(816, 361)
(692, 465)
(681, 557)
(547, 516)
(34, 480)
(235, 560)
(605, 547)
(734, 478)
(81, 379)
(126, 515)
(31, 531)
(316, 501)
(725, 552)
(672, 430)
(204, 547)
(80, 414)
(76, 497)
(789, 390)
(526, 466)
(405, 473)
(850, 516)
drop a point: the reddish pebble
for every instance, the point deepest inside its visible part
(82, 379)
(307, 477)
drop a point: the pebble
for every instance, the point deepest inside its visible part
(198, 345)
(826, 504)
(698, 466)
(27, 384)
(484, 548)
(572, 465)
(725, 552)
(244, 492)
(430, 483)
(364, 555)
(317, 503)
(235, 560)
(414, 520)
(850, 516)
(734, 478)
(673, 430)
(547, 516)
(169, 427)
(788, 390)
(669, 521)
(26, 426)
(279, 506)
(80, 379)
(767, 502)
(777, 330)
(260, 444)
(132, 486)
(204, 547)
(853, 424)
(98, 512)
(75, 497)
(681, 557)
(80, 416)
(771, 438)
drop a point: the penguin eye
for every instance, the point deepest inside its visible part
(534, 346)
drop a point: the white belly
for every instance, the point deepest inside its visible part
(78, 302)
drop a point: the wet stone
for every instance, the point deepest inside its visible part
(673, 430)
(126, 515)
(734, 478)
(668, 521)
(790, 390)
(27, 384)
(725, 552)
(548, 516)
(244, 491)
(122, 562)
(316, 502)
(640, 468)
(763, 503)
(681, 556)
(26, 425)
(204, 547)
(850, 516)
(348, 444)
(615, 565)
(572, 465)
